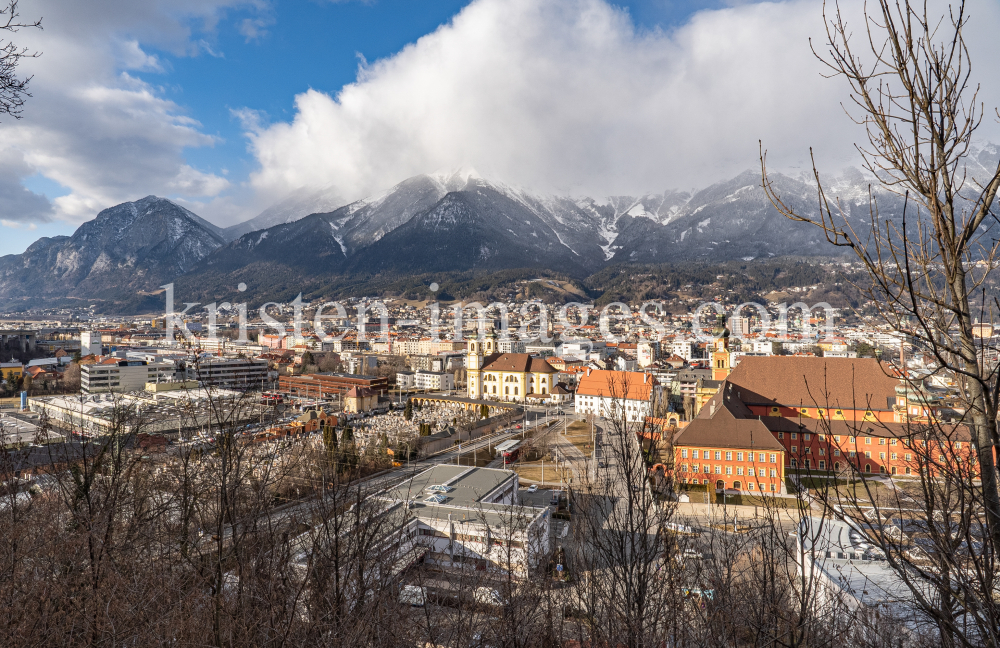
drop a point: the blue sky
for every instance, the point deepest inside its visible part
(256, 55)
(308, 45)
(228, 106)
(313, 44)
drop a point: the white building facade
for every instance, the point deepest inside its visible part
(229, 372)
(123, 375)
(608, 393)
(405, 380)
(433, 381)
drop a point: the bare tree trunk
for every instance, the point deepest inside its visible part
(911, 90)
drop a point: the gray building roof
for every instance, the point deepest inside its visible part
(842, 554)
(464, 494)
(461, 485)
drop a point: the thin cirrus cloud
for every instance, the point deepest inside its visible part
(569, 96)
(93, 127)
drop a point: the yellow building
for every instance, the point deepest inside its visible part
(360, 399)
(721, 359)
(11, 370)
(510, 377)
(704, 392)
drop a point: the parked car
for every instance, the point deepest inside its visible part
(413, 595)
(533, 488)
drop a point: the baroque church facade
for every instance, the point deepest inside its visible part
(508, 377)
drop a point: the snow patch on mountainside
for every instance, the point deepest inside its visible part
(295, 206)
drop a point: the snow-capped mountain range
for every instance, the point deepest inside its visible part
(462, 221)
(436, 223)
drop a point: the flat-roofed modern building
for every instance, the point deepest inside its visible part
(405, 380)
(233, 373)
(841, 560)
(434, 381)
(328, 385)
(117, 375)
(471, 517)
(175, 409)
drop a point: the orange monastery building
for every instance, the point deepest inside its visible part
(729, 448)
(845, 389)
(816, 414)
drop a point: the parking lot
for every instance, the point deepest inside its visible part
(540, 498)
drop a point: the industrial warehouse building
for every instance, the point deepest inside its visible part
(173, 409)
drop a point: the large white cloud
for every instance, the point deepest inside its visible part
(568, 96)
(91, 126)
(557, 95)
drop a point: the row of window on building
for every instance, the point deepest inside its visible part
(718, 470)
(752, 486)
(806, 436)
(705, 454)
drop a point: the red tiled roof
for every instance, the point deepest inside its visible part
(956, 432)
(631, 385)
(517, 362)
(853, 383)
(721, 423)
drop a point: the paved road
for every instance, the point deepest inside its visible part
(575, 458)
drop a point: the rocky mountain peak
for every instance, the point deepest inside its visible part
(135, 245)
